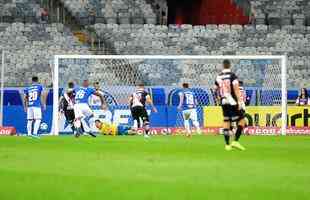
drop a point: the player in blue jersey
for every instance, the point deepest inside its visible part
(82, 111)
(188, 106)
(34, 104)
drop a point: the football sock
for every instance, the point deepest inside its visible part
(187, 126)
(146, 128)
(29, 127)
(226, 135)
(196, 124)
(238, 133)
(78, 126)
(36, 126)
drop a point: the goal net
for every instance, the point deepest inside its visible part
(264, 78)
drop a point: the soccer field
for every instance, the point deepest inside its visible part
(163, 167)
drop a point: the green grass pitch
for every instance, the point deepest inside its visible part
(163, 167)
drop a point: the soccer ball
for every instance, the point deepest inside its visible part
(43, 127)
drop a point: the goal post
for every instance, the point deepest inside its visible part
(131, 60)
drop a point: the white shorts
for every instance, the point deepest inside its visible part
(34, 113)
(82, 110)
(190, 114)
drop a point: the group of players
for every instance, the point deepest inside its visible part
(74, 104)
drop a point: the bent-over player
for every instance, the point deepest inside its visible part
(82, 111)
(137, 103)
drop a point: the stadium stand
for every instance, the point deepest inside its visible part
(284, 12)
(214, 40)
(19, 11)
(30, 48)
(112, 11)
(128, 27)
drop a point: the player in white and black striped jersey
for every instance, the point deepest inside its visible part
(66, 104)
(137, 103)
(232, 102)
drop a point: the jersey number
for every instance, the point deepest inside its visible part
(80, 94)
(33, 96)
(189, 99)
(225, 87)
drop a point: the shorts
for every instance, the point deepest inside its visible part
(82, 110)
(190, 114)
(231, 113)
(139, 112)
(69, 114)
(34, 113)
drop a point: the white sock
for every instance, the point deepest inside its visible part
(36, 126)
(77, 123)
(196, 124)
(29, 127)
(135, 125)
(187, 126)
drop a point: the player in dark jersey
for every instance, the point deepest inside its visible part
(66, 105)
(227, 85)
(137, 103)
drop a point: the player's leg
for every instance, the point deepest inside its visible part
(37, 120)
(87, 119)
(77, 122)
(226, 126)
(239, 131)
(186, 117)
(146, 121)
(30, 117)
(136, 118)
(69, 115)
(194, 118)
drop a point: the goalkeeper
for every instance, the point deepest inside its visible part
(106, 128)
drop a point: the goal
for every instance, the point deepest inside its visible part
(264, 78)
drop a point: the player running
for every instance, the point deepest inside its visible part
(232, 105)
(66, 105)
(34, 104)
(82, 111)
(137, 103)
(187, 105)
